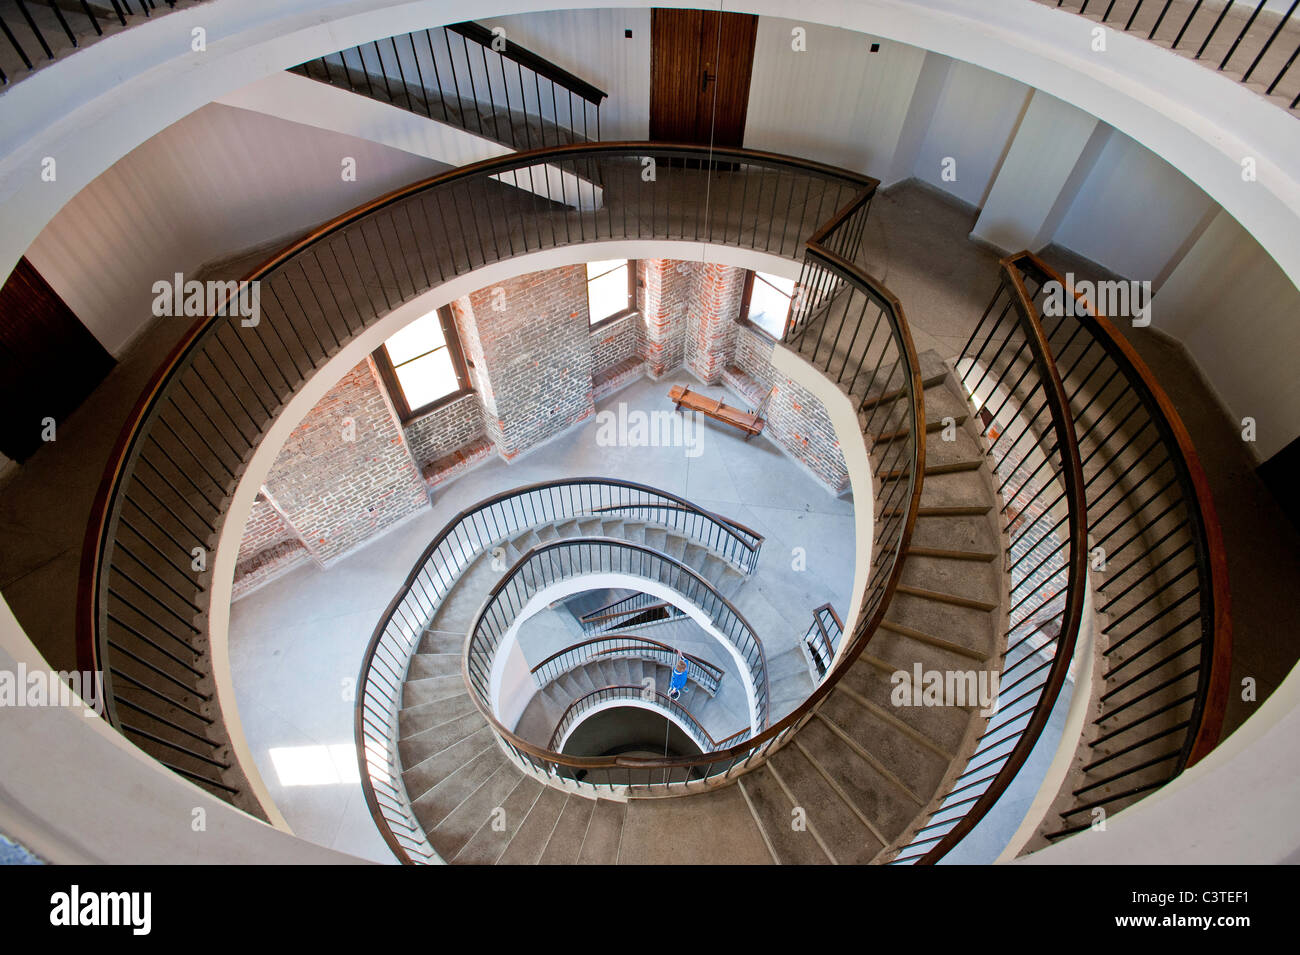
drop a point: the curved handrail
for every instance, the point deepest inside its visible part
(218, 373)
(184, 447)
(701, 671)
(615, 616)
(822, 639)
(741, 529)
(572, 557)
(975, 791)
(1204, 535)
(624, 691)
(1248, 50)
(409, 76)
(460, 542)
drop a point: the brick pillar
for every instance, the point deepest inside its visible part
(529, 342)
(666, 294)
(711, 324)
(346, 472)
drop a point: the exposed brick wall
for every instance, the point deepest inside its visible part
(338, 492)
(536, 365)
(666, 291)
(445, 430)
(615, 343)
(796, 419)
(529, 340)
(711, 320)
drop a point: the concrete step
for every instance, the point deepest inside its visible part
(422, 775)
(870, 679)
(439, 801)
(730, 582)
(693, 830)
(842, 832)
(972, 533)
(429, 690)
(476, 811)
(420, 746)
(788, 837)
(955, 489)
(487, 844)
(425, 665)
(423, 716)
(655, 537)
(440, 641)
(975, 581)
(569, 528)
(791, 661)
(917, 768)
(954, 625)
(565, 842)
(604, 833)
(528, 843)
(860, 779)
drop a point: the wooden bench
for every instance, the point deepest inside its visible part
(748, 422)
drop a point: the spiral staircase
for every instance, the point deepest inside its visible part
(869, 780)
(989, 470)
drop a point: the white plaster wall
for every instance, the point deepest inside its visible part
(90, 109)
(836, 102)
(973, 121)
(1239, 317)
(1133, 212)
(1049, 141)
(590, 44)
(218, 182)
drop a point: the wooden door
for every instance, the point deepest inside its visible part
(700, 65)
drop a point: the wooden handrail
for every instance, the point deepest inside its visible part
(533, 61)
(135, 430)
(639, 692)
(704, 665)
(1077, 565)
(1214, 680)
(596, 615)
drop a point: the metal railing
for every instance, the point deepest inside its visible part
(184, 448)
(1007, 369)
(470, 77)
(1157, 558)
(1255, 41)
(570, 558)
(142, 617)
(823, 638)
(636, 610)
(464, 539)
(698, 671)
(1120, 491)
(578, 710)
(39, 33)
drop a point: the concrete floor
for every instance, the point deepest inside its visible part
(915, 242)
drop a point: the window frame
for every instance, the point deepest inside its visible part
(631, 296)
(750, 277)
(388, 372)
